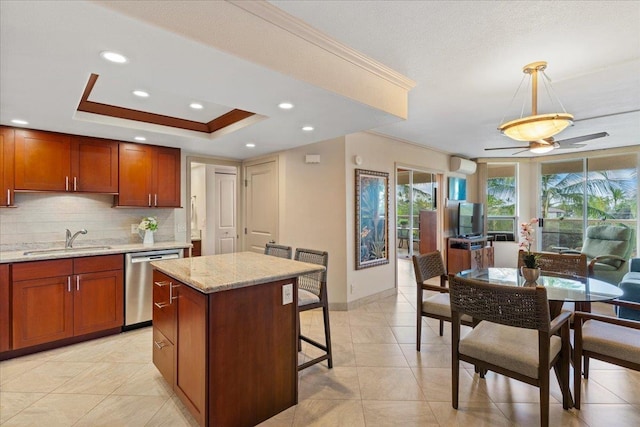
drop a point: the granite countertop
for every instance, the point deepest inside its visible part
(89, 250)
(217, 273)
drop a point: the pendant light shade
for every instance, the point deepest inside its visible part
(533, 128)
(536, 126)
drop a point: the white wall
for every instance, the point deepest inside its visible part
(380, 154)
(312, 208)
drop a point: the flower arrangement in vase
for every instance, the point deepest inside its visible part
(149, 225)
(531, 270)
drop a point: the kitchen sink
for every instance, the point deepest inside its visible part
(66, 250)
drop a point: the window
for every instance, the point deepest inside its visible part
(579, 193)
(501, 201)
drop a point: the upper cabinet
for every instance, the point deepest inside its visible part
(149, 176)
(47, 161)
(94, 165)
(7, 148)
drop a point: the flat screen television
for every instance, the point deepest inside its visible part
(470, 219)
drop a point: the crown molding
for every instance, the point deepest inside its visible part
(270, 13)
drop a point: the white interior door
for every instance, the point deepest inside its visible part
(261, 204)
(226, 227)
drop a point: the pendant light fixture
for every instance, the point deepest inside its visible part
(536, 127)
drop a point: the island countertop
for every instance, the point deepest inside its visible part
(215, 273)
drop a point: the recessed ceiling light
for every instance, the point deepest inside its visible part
(250, 145)
(140, 138)
(196, 106)
(285, 105)
(307, 128)
(141, 93)
(114, 57)
(19, 122)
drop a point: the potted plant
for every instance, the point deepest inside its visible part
(149, 225)
(530, 270)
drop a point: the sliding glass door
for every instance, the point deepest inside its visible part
(583, 192)
(416, 211)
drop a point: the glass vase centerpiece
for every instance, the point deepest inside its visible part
(146, 228)
(530, 271)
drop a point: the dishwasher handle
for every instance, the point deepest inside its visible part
(149, 258)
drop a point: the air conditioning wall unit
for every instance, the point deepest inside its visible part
(460, 165)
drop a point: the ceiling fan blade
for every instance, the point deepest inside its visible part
(579, 139)
(506, 148)
(570, 146)
(521, 151)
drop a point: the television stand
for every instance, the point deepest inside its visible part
(469, 253)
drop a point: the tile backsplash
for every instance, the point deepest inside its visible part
(40, 219)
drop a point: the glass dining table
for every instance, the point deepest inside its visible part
(560, 289)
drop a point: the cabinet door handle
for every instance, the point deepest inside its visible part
(155, 199)
(171, 288)
(8, 197)
(160, 344)
(66, 183)
(161, 284)
(68, 283)
(149, 199)
(77, 283)
(160, 304)
(75, 184)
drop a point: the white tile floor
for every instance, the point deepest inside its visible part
(378, 379)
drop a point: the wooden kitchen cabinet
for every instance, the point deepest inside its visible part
(42, 302)
(47, 161)
(58, 299)
(42, 161)
(5, 316)
(99, 294)
(149, 176)
(94, 165)
(191, 351)
(7, 156)
(179, 340)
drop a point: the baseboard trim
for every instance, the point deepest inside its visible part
(352, 305)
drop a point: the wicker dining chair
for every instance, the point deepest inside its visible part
(278, 250)
(514, 336)
(562, 265)
(606, 338)
(427, 266)
(312, 294)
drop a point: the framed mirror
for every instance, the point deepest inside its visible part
(372, 214)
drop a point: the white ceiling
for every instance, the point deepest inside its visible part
(465, 57)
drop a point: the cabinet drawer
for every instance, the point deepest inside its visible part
(164, 308)
(94, 264)
(42, 269)
(163, 356)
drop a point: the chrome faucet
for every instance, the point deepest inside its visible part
(69, 241)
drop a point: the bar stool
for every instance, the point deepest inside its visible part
(312, 293)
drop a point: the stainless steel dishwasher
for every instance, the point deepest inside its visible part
(138, 285)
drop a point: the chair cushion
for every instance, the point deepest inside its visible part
(611, 340)
(440, 305)
(606, 265)
(632, 276)
(507, 346)
(306, 297)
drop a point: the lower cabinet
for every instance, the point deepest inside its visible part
(179, 340)
(5, 316)
(53, 300)
(230, 356)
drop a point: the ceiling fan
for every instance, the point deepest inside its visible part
(548, 144)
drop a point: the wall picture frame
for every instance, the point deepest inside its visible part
(372, 218)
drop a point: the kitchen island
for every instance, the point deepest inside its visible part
(225, 334)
